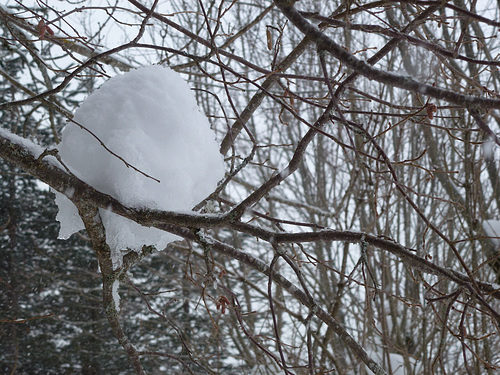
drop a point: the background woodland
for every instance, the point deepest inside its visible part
(351, 235)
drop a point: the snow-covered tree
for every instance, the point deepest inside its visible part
(345, 221)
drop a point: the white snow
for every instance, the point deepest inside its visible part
(148, 117)
(492, 229)
(68, 217)
(32, 147)
(35, 149)
(115, 294)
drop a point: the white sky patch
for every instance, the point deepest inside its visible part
(488, 149)
(150, 118)
(492, 229)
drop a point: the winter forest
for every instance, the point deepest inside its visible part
(249, 187)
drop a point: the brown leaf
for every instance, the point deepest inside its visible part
(269, 37)
(431, 109)
(43, 28)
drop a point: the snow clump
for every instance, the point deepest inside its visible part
(150, 118)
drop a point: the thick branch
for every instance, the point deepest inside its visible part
(96, 232)
(394, 80)
(63, 42)
(47, 171)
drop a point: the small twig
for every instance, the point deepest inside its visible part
(273, 313)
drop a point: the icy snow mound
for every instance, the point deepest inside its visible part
(150, 118)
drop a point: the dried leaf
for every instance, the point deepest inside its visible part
(269, 39)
